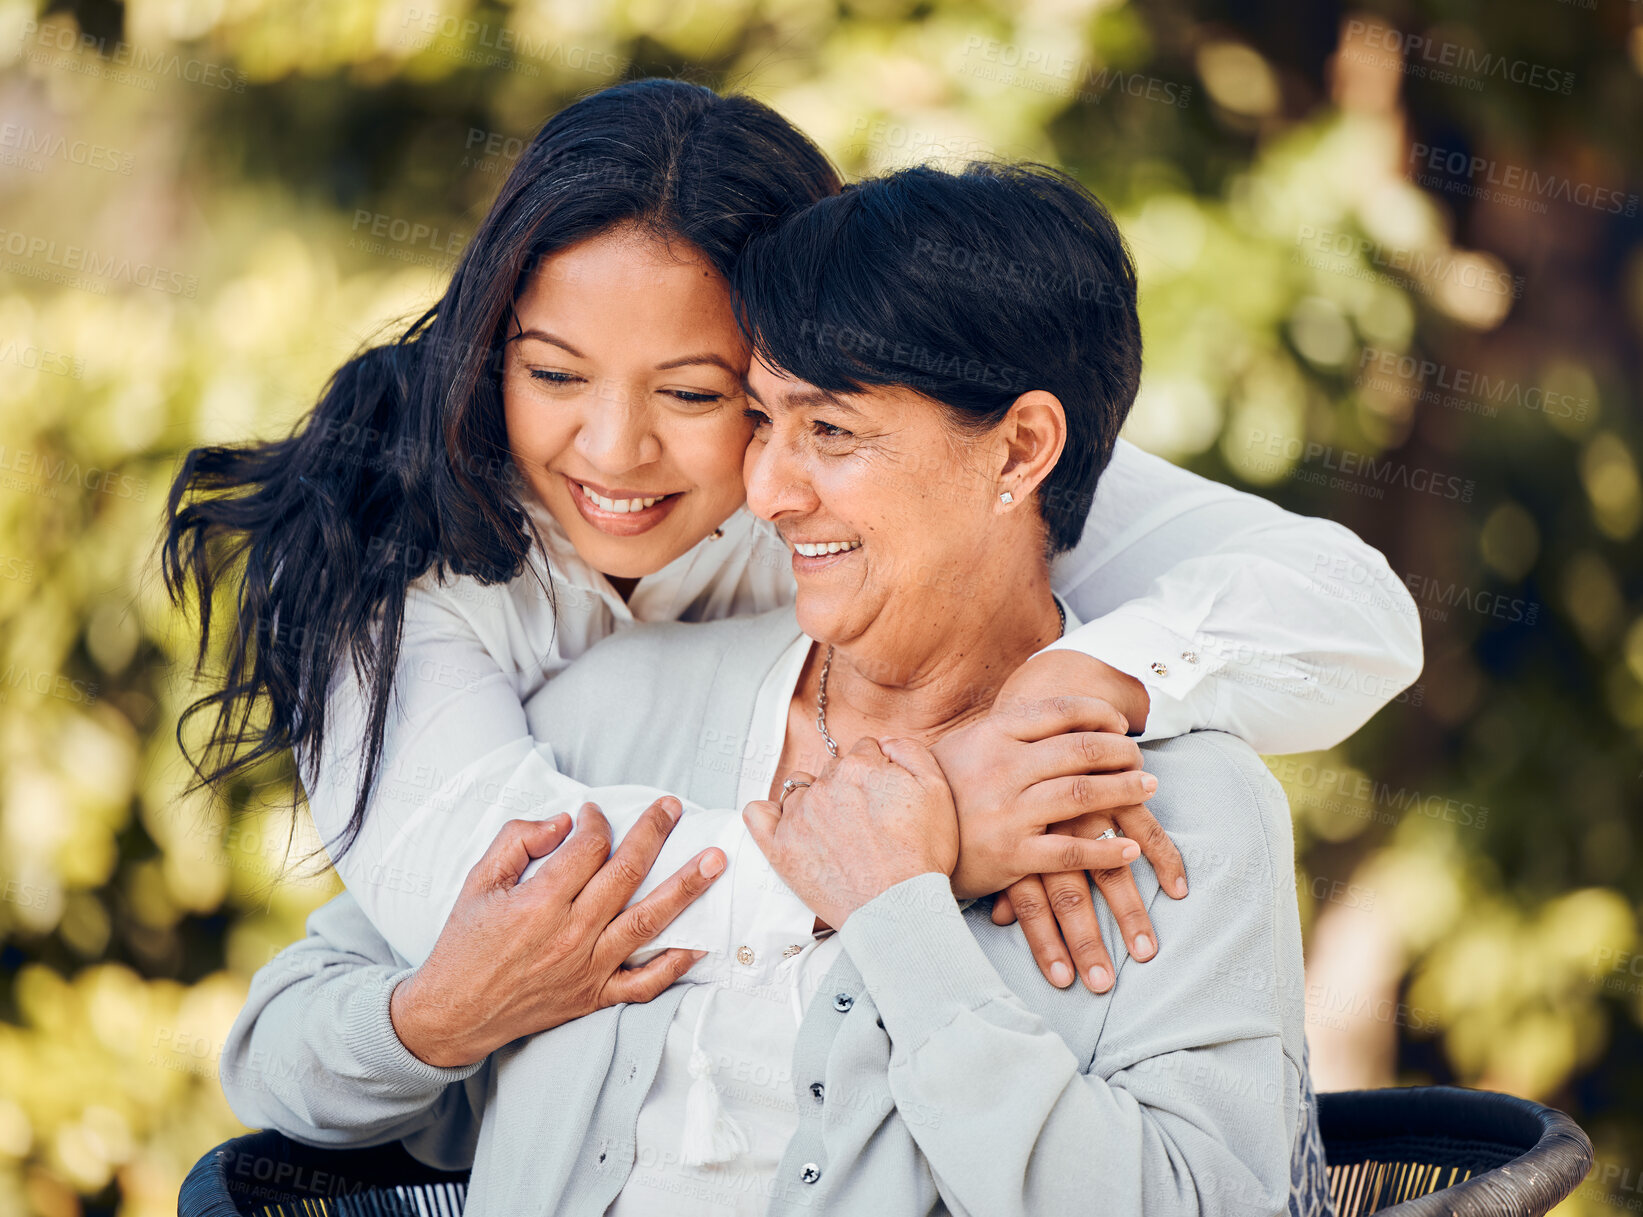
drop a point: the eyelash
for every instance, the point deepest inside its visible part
(684, 395)
(826, 430)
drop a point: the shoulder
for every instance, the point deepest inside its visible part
(677, 645)
(678, 660)
(1220, 803)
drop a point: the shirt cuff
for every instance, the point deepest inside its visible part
(918, 958)
(1169, 665)
(767, 919)
(369, 1032)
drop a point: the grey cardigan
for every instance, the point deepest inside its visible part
(935, 1070)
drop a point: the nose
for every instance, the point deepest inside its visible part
(778, 483)
(618, 433)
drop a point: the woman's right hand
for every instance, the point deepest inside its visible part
(517, 958)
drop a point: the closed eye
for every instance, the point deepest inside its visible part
(693, 397)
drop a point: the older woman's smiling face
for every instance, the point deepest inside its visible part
(891, 512)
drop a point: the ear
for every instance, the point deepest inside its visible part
(1033, 434)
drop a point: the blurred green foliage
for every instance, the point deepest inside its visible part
(1395, 283)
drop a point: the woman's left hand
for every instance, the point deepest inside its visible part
(877, 815)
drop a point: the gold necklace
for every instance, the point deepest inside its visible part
(827, 665)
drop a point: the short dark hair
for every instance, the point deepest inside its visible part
(971, 288)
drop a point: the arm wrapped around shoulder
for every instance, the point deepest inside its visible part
(1179, 1091)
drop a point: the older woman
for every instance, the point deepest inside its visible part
(928, 436)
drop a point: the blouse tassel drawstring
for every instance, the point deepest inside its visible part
(710, 1134)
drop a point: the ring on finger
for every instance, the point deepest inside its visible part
(788, 787)
(1109, 835)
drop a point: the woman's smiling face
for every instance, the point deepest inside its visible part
(891, 513)
(622, 395)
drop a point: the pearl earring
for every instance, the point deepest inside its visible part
(1006, 497)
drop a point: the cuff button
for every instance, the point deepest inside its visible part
(1159, 669)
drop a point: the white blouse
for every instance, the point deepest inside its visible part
(1236, 615)
(748, 1035)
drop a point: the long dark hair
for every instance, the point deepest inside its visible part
(404, 465)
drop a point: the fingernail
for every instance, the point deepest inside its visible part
(1060, 975)
(1100, 978)
(1149, 783)
(698, 956)
(1131, 852)
(712, 864)
(1142, 947)
(674, 809)
(1180, 885)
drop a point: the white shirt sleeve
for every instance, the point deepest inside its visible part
(1238, 616)
(459, 761)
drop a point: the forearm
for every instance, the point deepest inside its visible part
(1236, 615)
(1203, 1129)
(314, 1053)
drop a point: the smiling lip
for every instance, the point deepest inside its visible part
(620, 523)
(814, 562)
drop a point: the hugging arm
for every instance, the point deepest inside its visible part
(314, 1054)
(340, 1042)
(1204, 608)
(1236, 615)
(1191, 1101)
(459, 761)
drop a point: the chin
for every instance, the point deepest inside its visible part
(820, 621)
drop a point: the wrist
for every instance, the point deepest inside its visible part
(420, 1030)
(1064, 671)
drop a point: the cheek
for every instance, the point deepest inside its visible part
(536, 435)
(710, 453)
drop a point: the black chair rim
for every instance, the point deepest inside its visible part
(268, 1168)
(1525, 1157)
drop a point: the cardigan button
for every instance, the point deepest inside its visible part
(842, 1002)
(744, 956)
(810, 1173)
(817, 1090)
